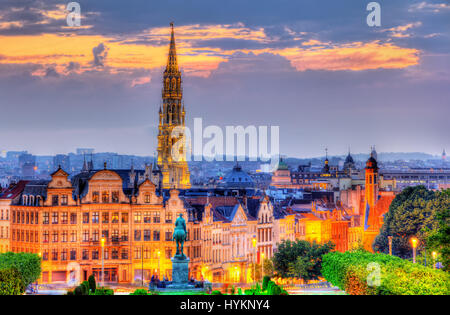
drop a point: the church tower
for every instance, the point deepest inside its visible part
(371, 197)
(171, 141)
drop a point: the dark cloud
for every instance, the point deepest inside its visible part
(100, 52)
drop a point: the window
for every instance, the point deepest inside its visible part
(147, 217)
(95, 216)
(54, 254)
(115, 197)
(124, 237)
(64, 218)
(137, 253)
(85, 236)
(115, 236)
(147, 234)
(14, 217)
(115, 217)
(95, 254)
(137, 217)
(85, 217)
(105, 233)
(105, 197)
(105, 217)
(55, 200)
(168, 217)
(124, 253)
(156, 235)
(73, 236)
(45, 236)
(54, 217)
(95, 236)
(95, 197)
(64, 201)
(147, 198)
(73, 254)
(156, 217)
(85, 254)
(115, 253)
(64, 236)
(45, 255)
(73, 218)
(64, 254)
(168, 236)
(124, 217)
(137, 235)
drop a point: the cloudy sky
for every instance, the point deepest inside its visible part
(313, 68)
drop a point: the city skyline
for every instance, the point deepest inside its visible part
(324, 82)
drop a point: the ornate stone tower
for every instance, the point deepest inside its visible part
(171, 148)
(371, 228)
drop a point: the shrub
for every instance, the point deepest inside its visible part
(28, 265)
(348, 271)
(85, 287)
(216, 292)
(92, 284)
(140, 292)
(10, 282)
(266, 280)
(77, 291)
(104, 291)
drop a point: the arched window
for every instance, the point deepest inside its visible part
(25, 200)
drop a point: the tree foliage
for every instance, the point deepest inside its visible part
(413, 212)
(27, 265)
(10, 282)
(439, 240)
(300, 259)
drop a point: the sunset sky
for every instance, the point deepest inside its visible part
(314, 68)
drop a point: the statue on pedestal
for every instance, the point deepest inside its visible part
(179, 236)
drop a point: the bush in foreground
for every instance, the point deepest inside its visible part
(28, 267)
(350, 271)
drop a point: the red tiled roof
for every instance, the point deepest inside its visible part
(14, 191)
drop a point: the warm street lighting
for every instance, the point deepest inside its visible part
(414, 243)
(103, 261)
(159, 260)
(262, 265)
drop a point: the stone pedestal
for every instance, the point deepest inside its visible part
(180, 273)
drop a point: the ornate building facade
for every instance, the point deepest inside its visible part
(171, 141)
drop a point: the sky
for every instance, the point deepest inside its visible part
(313, 68)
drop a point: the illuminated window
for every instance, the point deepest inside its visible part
(115, 217)
(137, 217)
(105, 217)
(105, 197)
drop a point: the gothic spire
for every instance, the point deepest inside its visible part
(172, 64)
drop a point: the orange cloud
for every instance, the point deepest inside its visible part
(129, 52)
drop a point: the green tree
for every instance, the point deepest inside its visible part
(411, 213)
(439, 240)
(28, 265)
(300, 259)
(268, 267)
(10, 282)
(92, 284)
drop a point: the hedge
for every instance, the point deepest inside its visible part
(10, 282)
(350, 272)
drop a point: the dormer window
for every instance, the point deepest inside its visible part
(147, 198)
(55, 200)
(105, 197)
(115, 196)
(95, 197)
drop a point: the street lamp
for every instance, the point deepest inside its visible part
(414, 242)
(434, 254)
(103, 261)
(159, 260)
(254, 257)
(262, 265)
